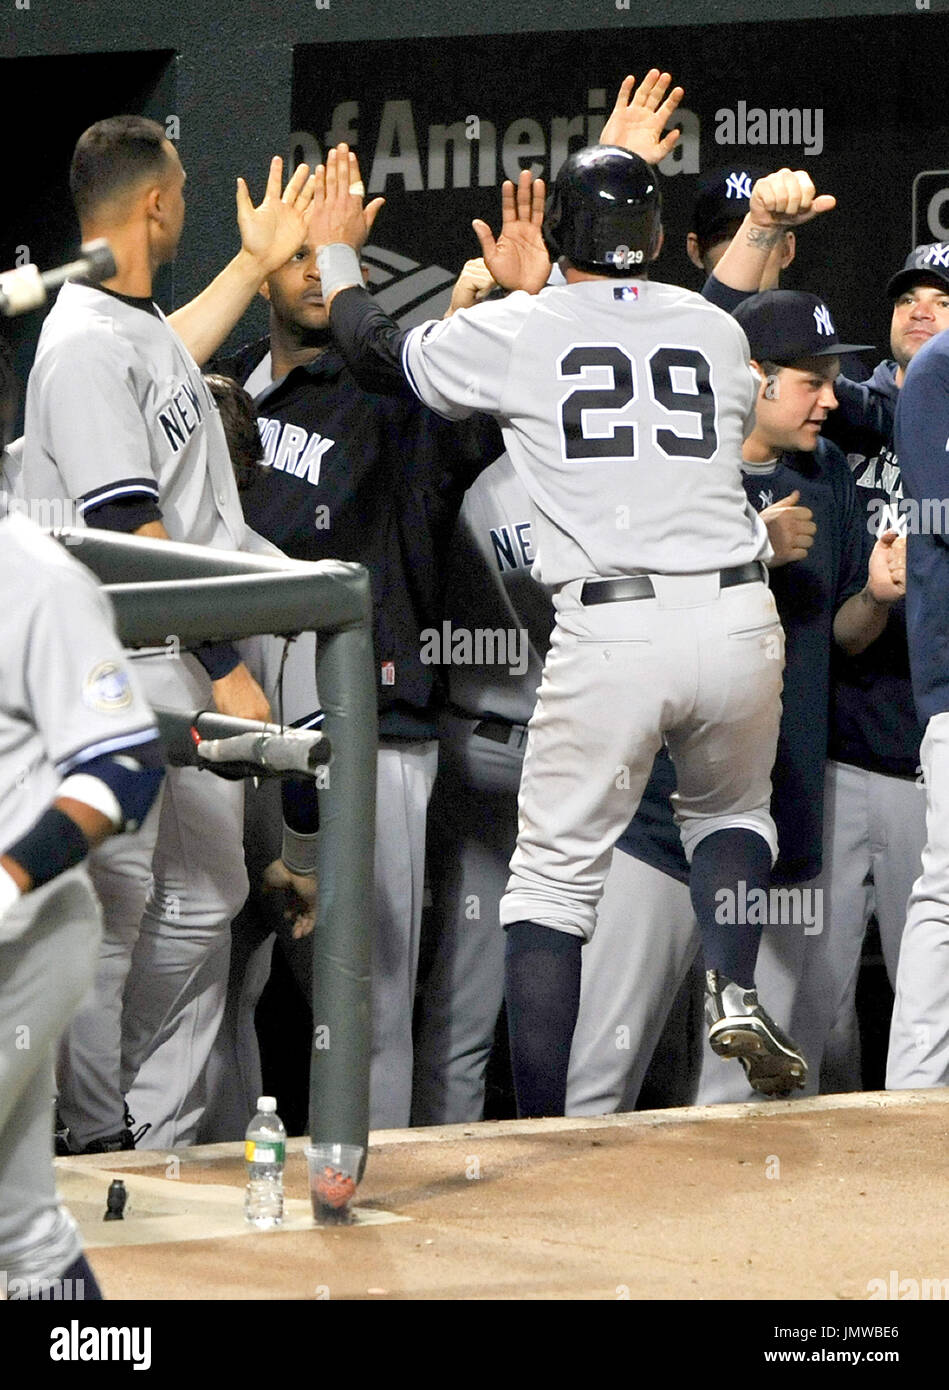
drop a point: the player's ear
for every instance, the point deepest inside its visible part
(693, 252)
(154, 203)
(365, 273)
(789, 249)
(659, 240)
(264, 290)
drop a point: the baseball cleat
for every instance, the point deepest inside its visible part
(739, 1027)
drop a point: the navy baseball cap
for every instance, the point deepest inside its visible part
(924, 261)
(722, 197)
(784, 326)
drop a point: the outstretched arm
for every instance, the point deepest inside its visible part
(270, 235)
(781, 200)
(863, 617)
(456, 366)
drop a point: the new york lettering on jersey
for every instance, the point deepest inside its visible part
(290, 448)
(183, 412)
(513, 547)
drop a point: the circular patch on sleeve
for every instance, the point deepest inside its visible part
(107, 688)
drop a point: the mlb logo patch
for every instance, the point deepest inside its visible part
(628, 292)
(107, 688)
(388, 673)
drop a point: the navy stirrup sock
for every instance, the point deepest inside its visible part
(542, 996)
(726, 867)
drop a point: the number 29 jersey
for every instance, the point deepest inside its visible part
(624, 405)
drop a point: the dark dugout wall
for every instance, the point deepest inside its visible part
(439, 123)
(232, 82)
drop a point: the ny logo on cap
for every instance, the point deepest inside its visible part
(738, 186)
(937, 255)
(823, 320)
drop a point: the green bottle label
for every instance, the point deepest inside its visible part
(269, 1151)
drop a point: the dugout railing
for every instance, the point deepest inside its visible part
(163, 592)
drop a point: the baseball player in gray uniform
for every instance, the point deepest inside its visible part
(620, 402)
(473, 827)
(472, 821)
(79, 760)
(119, 418)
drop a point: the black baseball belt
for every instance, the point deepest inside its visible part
(491, 726)
(633, 586)
(497, 730)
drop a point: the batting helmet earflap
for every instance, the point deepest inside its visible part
(604, 212)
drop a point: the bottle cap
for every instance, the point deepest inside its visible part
(267, 1105)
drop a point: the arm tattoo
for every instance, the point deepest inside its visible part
(765, 238)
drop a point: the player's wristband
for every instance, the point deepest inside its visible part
(9, 892)
(92, 792)
(298, 852)
(54, 845)
(339, 268)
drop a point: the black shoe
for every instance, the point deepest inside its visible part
(740, 1027)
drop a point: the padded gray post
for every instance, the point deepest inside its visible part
(342, 941)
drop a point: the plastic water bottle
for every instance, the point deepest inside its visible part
(264, 1153)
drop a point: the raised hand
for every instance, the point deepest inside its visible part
(637, 121)
(787, 198)
(791, 529)
(337, 212)
(518, 260)
(275, 231)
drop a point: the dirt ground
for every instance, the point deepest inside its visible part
(782, 1200)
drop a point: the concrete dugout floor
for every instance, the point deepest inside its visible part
(808, 1199)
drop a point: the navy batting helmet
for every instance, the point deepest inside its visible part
(604, 213)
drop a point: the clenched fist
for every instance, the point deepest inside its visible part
(791, 529)
(886, 578)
